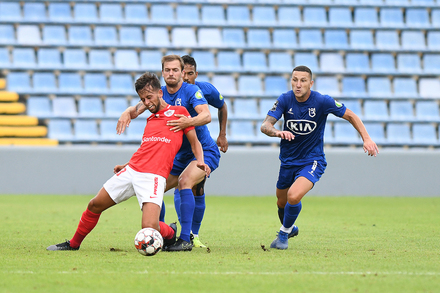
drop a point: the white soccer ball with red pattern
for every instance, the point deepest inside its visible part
(148, 241)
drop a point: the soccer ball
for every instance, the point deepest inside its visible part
(148, 241)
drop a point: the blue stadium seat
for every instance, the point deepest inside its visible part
(280, 62)
(23, 58)
(187, 14)
(95, 83)
(233, 38)
(242, 131)
(413, 40)
(397, 2)
(263, 15)
(5, 61)
(398, 133)
(214, 128)
(354, 106)
(382, 62)
(225, 84)
(19, 82)
(429, 87)
(28, 35)
(258, 38)
(328, 133)
(254, 61)
(435, 17)
(238, 15)
(86, 130)
(113, 107)
(366, 17)
(335, 39)
(183, 37)
(54, 35)
(310, 38)
(422, 2)
(75, 58)
(126, 60)
(353, 86)
(44, 82)
(245, 108)
(408, 63)
(387, 39)
(332, 62)
(275, 85)
(308, 59)
(401, 110)
(417, 17)
(10, 11)
(80, 35)
(150, 60)
(340, 16)
(136, 130)
(34, 11)
(327, 85)
(284, 38)
(289, 16)
(64, 107)
(249, 85)
(376, 131)
(424, 134)
(205, 60)
(391, 17)
(131, 36)
(122, 84)
(60, 129)
(162, 13)
(108, 131)
(69, 82)
(210, 37)
(40, 107)
(85, 12)
(379, 87)
(60, 12)
(136, 13)
(433, 39)
(357, 62)
(345, 133)
(157, 37)
(110, 12)
(134, 102)
(361, 39)
(266, 105)
(427, 111)
(100, 59)
(213, 14)
(7, 34)
(376, 110)
(90, 107)
(405, 87)
(106, 36)
(229, 61)
(315, 16)
(204, 78)
(370, 2)
(431, 63)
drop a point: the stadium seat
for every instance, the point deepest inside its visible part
(413, 40)
(345, 133)
(126, 60)
(417, 17)
(391, 17)
(245, 108)
(431, 63)
(183, 37)
(60, 129)
(109, 12)
(229, 61)
(327, 85)
(263, 15)
(86, 130)
(10, 11)
(387, 39)
(187, 14)
(157, 37)
(365, 17)
(353, 86)
(90, 107)
(19, 82)
(233, 38)
(213, 14)
(328, 133)
(340, 16)
(280, 62)
(433, 39)
(258, 38)
(241, 131)
(429, 87)
(357, 62)
(398, 133)
(150, 60)
(113, 107)
(210, 38)
(315, 16)
(435, 17)
(28, 35)
(122, 83)
(131, 36)
(7, 34)
(427, 111)
(405, 87)
(54, 35)
(376, 131)
(75, 58)
(85, 12)
(310, 38)
(34, 12)
(332, 62)
(205, 60)
(64, 107)
(379, 87)
(135, 131)
(249, 85)
(422, 2)
(401, 110)
(136, 13)
(100, 59)
(80, 35)
(60, 12)
(361, 39)
(69, 82)
(44, 82)
(266, 105)
(354, 106)
(40, 107)
(162, 14)
(108, 131)
(376, 110)
(335, 39)
(424, 134)
(214, 128)
(238, 15)
(23, 58)
(408, 63)
(225, 84)
(204, 78)
(284, 38)
(5, 61)
(289, 16)
(308, 59)
(106, 36)
(382, 62)
(95, 83)
(254, 61)
(274, 86)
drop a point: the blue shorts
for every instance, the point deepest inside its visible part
(288, 174)
(211, 157)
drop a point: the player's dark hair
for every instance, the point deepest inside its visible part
(303, 68)
(190, 61)
(170, 58)
(147, 79)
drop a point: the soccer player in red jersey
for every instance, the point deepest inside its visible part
(146, 173)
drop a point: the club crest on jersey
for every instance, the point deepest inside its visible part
(178, 102)
(198, 94)
(169, 113)
(312, 112)
(301, 127)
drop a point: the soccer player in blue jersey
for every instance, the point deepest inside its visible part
(184, 173)
(302, 145)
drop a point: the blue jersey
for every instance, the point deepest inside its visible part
(212, 95)
(306, 120)
(190, 96)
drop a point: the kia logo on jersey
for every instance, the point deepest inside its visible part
(301, 127)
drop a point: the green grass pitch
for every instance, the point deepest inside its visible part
(345, 244)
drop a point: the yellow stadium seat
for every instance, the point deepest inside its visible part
(28, 142)
(19, 120)
(8, 96)
(2, 83)
(12, 108)
(23, 131)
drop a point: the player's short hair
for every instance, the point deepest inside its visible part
(170, 58)
(147, 79)
(303, 68)
(190, 61)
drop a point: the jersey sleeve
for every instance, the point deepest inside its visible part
(277, 108)
(332, 106)
(212, 95)
(196, 96)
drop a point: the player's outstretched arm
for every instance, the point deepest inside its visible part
(203, 117)
(222, 141)
(268, 128)
(198, 151)
(130, 113)
(370, 146)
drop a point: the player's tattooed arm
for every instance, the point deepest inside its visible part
(269, 129)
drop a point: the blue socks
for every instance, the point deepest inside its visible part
(281, 214)
(291, 213)
(187, 205)
(177, 202)
(199, 212)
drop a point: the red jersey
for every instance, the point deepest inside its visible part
(159, 144)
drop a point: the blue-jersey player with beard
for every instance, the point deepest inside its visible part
(302, 145)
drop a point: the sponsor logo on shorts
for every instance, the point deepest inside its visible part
(155, 138)
(156, 183)
(122, 171)
(315, 164)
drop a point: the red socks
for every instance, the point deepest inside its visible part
(166, 231)
(86, 224)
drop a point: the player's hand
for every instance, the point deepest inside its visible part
(370, 147)
(180, 124)
(123, 122)
(222, 142)
(118, 168)
(205, 168)
(287, 135)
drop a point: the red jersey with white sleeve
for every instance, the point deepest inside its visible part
(159, 144)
